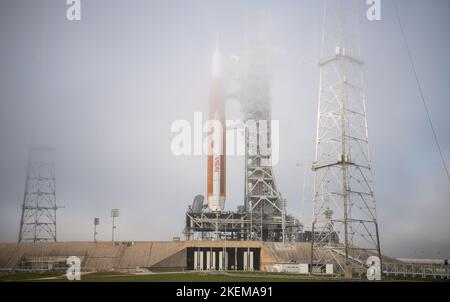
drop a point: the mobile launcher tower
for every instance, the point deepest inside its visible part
(263, 215)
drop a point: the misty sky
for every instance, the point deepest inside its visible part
(105, 90)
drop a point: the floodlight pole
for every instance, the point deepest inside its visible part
(96, 222)
(114, 214)
(113, 227)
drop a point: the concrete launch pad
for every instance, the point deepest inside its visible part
(179, 256)
(152, 255)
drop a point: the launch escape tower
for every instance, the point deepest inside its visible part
(263, 216)
(38, 220)
(344, 201)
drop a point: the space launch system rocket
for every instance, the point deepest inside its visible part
(216, 139)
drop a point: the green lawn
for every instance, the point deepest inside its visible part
(29, 276)
(162, 277)
(183, 277)
(187, 277)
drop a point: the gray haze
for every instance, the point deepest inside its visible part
(104, 92)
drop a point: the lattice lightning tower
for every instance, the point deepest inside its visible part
(38, 220)
(345, 224)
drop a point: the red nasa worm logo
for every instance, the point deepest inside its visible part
(217, 164)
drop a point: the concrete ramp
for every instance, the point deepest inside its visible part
(106, 256)
(275, 253)
(136, 255)
(95, 256)
(163, 249)
(176, 261)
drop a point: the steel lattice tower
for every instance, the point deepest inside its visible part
(38, 220)
(345, 228)
(262, 198)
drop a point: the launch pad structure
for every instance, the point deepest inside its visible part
(344, 227)
(263, 215)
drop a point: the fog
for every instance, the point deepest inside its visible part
(104, 91)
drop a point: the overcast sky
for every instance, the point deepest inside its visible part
(105, 90)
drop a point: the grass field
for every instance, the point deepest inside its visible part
(183, 277)
(164, 277)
